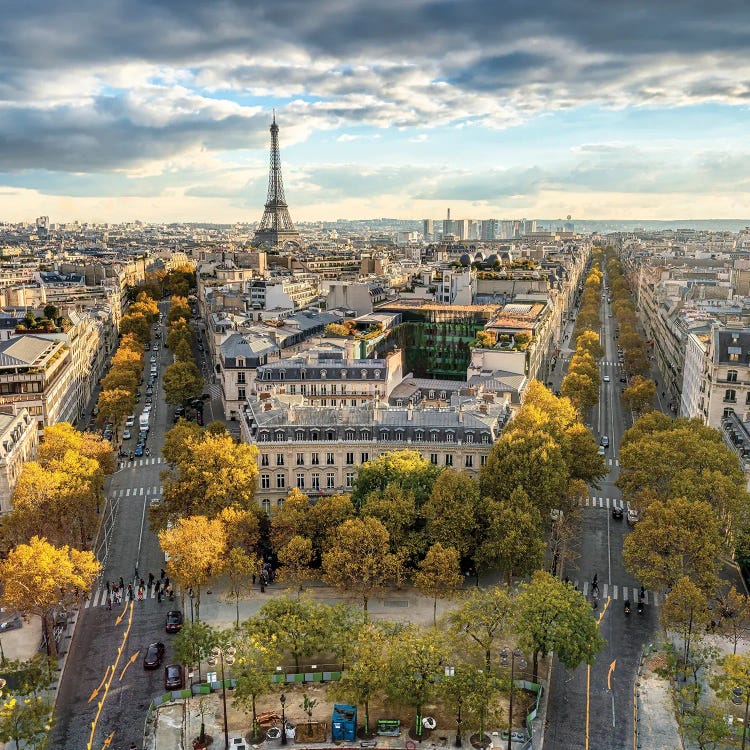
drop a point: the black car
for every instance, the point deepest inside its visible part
(149, 391)
(174, 621)
(617, 512)
(173, 677)
(154, 655)
(623, 379)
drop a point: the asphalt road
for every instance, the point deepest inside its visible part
(593, 708)
(104, 694)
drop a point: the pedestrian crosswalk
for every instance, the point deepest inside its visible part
(99, 597)
(612, 462)
(604, 364)
(619, 593)
(604, 502)
(128, 464)
(137, 491)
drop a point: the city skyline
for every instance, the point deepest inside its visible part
(160, 111)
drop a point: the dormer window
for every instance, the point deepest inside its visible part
(323, 374)
(343, 374)
(240, 361)
(363, 373)
(377, 373)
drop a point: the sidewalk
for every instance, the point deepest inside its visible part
(657, 725)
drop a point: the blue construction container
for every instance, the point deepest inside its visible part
(344, 723)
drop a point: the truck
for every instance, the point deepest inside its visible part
(143, 420)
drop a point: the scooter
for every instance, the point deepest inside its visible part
(627, 606)
(640, 608)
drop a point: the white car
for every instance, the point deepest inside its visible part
(147, 408)
(126, 435)
(606, 378)
(130, 421)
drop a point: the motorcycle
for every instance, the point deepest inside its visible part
(640, 608)
(627, 606)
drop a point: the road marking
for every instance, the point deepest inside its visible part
(141, 491)
(127, 493)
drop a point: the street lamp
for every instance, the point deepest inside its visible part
(514, 654)
(192, 596)
(225, 654)
(451, 672)
(282, 699)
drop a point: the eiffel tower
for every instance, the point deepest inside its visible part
(276, 227)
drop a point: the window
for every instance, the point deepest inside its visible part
(730, 395)
(314, 435)
(399, 402)
(263, 437)
(299, 434)
(365, 435)
(747, 398)
(331, 435)
(363, 374)
(732, 376)
(265, 481)
(330, 459)
(315, 459)
(365, 457)
(419, 436)
(241, 394)
(280, 481)
(377, 374)
(279, 436)
(330, 480)
(315, 479)
(728, 413)
(449, 459)
(434, 436)
(349, 478)
(266, 505)
(300, 481)
(469, 437)
(469, 462)
(385, 435)
(434, 458)
(485, 438)
(292, 390)
(354, 402)
(349, 435)
(264, 459)
(443, 395)
(349, 459)
(431, 395)
(343, 374)
(279, 459)
(482, 460)
(323, 374)
(450, 437)
(323, 390)
(399, 434)
(241, 378)
(300, 459)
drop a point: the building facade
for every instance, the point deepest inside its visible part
(19, 440)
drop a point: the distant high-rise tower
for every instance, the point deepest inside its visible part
(276, 226)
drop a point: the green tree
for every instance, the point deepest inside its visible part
(51, 312)
(685, 611)
(513, 538)
(322, 518)
(253, 672)
(26, 721)
(193, 644)
(182, 381)
(296, 625)
(289, 519)
(674, 539)
(451, 511)
(439, 574)
(296, 559)
(405, 468)
(356, 561)
(552, 616)
(734, 615)
(396, 510)
(416, 664)
(365, 678)
(484, 617)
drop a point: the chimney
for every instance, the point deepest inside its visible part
(410, 411)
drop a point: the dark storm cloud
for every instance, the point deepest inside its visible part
(65, 79)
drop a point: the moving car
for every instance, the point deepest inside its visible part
(173, 677)
(601, 451)
(154, 655)
(126, 435)
(623, 379)
(606, 378)
(174, 621)
(617, 512)
(139, 449)
(605, 441)
(149, 391)
(130, 421)
(632, 516)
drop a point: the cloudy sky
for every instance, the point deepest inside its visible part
(159, 109)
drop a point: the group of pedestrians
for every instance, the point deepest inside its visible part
(117, 590)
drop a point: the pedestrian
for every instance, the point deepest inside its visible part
(137, 574)
(130, 592)
(142, 583)
(158, 587)
(166, 582)
(158, 595)
(254, 577)
(150, 580)
(109, 602)
(122, 583)
(108, 589)
(162, 574)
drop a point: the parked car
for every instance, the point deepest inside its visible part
(149, 391)
(155, 348)
(605, 441)
(142, 437)
(148, 401)
(126, 435)
(130, 421)
(617, 512)
(606, 378)
(154, 655)
(153, 358)
(601, 450)
(623, 379)
(139, 449)
(174, 621)
(632, 516)
(173, 677)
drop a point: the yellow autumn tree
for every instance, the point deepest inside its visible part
(39, 578)
(63, 437)
(197, 548)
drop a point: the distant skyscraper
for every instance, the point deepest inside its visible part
(489, 229)
(428, 229)
(276, 226)
(448, 225)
